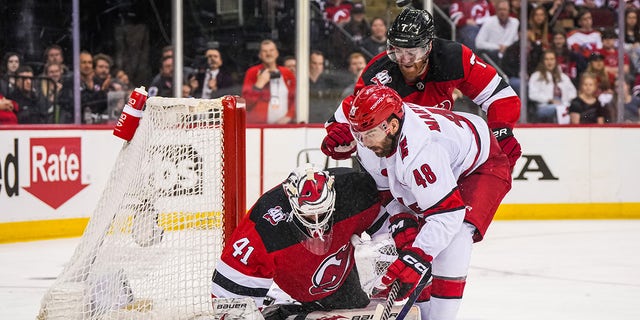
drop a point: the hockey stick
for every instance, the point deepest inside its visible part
(414, 295)
(383, 313)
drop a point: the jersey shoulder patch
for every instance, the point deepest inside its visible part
(382, 71)
(271, 216)
(445, 61)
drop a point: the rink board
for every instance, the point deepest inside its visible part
(565, 173)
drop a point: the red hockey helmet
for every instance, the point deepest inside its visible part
(373, 105)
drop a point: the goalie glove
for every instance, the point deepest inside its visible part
(339, 143)
(404, 229)
(408, 269)
(510, 146)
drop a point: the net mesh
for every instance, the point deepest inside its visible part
(153, 240)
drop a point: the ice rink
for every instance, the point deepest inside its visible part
(569, 269)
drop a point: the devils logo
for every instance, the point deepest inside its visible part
(332, 271)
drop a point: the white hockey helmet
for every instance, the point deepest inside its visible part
(312, 197)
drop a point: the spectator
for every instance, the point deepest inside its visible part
(269, 89)
(63, 111)
(586, 108)
(631, 105)
(102, 71)
(585, 39)
(357, 63)
(322, 97)
(338, 11)
(357, 27)
(33, 107)
(591, 4)
(469, 15)
(343, 43)
(10, 64)
(122, 82)
(498, 33)
(214, 82)
(538, 28)
(8, 111)
(632, 38)
(562, 15)
(51, 85)
(377, 42)
(610, 54)
(550, 90)
(604, 81)
(53, 54)
(167, 51)
(162, 84)
(186, 91)
(515, 9)
(567, 59)
(92, 99)
(289, 62)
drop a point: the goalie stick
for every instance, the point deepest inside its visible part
(383, 312)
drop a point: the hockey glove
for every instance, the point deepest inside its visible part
(510, 146)
(411, 264)
(339, 143)
(404, 229)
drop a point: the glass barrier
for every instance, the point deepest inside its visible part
(126, 44)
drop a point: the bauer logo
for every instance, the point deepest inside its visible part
(175, 170)
(55, 169)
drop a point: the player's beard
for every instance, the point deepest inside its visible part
(413, 72)
(387, 147)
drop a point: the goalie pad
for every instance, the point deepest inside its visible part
(235, 309)
(373, 257)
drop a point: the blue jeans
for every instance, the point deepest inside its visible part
(546, 112)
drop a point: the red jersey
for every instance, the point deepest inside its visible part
(477, 10)
(266, 246)
(451, 65)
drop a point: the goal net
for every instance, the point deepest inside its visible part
(174, 194)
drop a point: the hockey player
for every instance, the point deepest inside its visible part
(298, 236)
(441, 176)
(425, 70)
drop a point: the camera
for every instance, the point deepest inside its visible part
(275, 74)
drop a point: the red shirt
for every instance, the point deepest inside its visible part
(258, 99)
(7, 116)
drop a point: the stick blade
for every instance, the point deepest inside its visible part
(377, 315)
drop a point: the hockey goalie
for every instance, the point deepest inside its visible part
(298, 235)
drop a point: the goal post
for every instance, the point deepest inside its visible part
(175, 193)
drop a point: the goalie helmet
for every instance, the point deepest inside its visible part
(312, 197)
(373, 105)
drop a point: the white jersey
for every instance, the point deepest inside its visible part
(435, 148)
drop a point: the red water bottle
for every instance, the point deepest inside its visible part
(131, 114)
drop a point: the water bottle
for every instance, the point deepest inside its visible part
(130, 118)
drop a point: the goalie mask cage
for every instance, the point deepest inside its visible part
(175, 193)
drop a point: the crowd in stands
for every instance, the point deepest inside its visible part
(572, 54)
